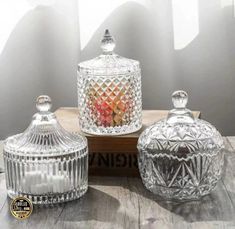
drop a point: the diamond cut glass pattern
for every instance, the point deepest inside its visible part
(109, 93)
(180, 157)
(46, 163)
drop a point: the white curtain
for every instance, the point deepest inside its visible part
(181, 44)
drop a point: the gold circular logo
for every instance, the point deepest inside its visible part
(21, 207)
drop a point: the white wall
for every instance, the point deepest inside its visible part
(180, 47)
(39, 57)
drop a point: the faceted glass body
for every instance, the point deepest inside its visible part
(180, 158)
(46, 163)
(109, 93)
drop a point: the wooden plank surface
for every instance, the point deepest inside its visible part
(123, 203)
(111, 155)
(68, 117)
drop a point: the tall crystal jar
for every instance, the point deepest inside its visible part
(180, 157)
(46, 163)
(109, 93)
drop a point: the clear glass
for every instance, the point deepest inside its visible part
(180, 157)
(109, 93)
(46, 163)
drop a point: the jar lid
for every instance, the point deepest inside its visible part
(180, 131)
(108, 63)
(44, 136)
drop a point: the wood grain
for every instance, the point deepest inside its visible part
(111, 155)
(68, 117)
(123, 203)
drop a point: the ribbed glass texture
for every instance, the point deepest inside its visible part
(46, 163)
(46, 180)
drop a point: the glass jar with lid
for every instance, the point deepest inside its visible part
(46, 163)
(180, 157)
(109, 93)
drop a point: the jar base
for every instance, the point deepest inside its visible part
(111, 131)
(53, 198)
(181, 195)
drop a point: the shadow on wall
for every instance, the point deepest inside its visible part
(40, 57)
(205, 68)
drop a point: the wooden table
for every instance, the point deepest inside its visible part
(112, 155)
(113, 202)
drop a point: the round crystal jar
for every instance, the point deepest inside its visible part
(46, 163)
(180, 157)
(109, 93)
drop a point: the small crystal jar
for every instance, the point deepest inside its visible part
(109, 93)
(180, 157)
(46, 163)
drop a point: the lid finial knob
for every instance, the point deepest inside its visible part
(43, 103)
(180, 99)
(107, 43)
(180, 114)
